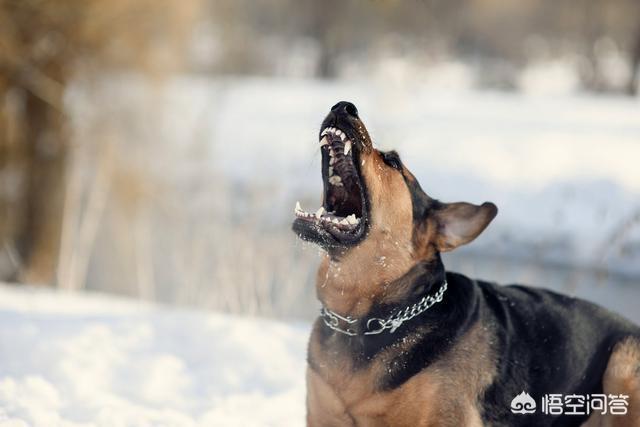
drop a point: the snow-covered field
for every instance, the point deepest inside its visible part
(93, 360)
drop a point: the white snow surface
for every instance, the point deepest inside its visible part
(92, 360)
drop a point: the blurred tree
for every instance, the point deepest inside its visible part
(497, 37)
(44, 45)
(632, 87)
(324, 20)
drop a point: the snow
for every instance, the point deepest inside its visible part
(92, 360)
(555, 77)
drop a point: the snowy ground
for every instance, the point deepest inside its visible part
(92, 360)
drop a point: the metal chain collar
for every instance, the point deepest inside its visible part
(376, 325)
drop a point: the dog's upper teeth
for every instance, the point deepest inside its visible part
(319, 212)
(351, 219)
(347, 147)
(335, 180)
(324, 141)
(330, 170)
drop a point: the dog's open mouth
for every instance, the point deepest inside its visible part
(341, 219)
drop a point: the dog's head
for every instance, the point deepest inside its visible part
(372, 203)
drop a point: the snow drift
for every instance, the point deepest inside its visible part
(78, 360)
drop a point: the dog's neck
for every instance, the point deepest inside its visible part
(356, 289)
(438, 326)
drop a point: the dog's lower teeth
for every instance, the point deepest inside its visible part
(319, 212)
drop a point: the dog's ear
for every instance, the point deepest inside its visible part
(460, 223)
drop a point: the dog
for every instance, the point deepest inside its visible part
(400, 341)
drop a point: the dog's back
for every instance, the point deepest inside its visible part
(546, 343)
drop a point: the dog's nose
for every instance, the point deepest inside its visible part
(343, 107)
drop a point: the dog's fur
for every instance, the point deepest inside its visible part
(463, 361)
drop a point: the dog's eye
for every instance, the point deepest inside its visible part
(392, 159)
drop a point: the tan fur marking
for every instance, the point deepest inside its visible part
(622, 377)
(445, 394)
(324, 407)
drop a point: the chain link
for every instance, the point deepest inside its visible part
(332, 320)
(376, 325)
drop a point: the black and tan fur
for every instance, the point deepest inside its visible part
(461, 362)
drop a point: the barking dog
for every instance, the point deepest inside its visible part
(402, 342)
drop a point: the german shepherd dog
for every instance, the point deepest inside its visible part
(402, 342)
